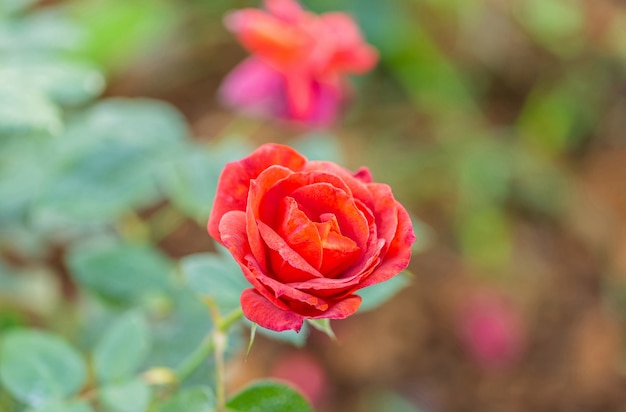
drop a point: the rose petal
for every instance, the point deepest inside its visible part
(255, 88)
(321, 198)
(327, 102)
(299, 232)
(355, 182)
(287, 10)
(287, 264)
(234, 182)
(399, 252)
(276, 193)
(262, 312)
(233, 234)
(384, 208)
(300, 94)
(258, 186)
(350, 280)
(288, 294)
(364, 175)
(277, 42)
(341, 309)
(233, 231)
(347, 52)
(339, 252)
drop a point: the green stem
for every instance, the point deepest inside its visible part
(214, 343)
(195, 359)
(220, 341)
(230, 319)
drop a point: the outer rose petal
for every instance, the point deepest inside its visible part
(342, 309)
(234, 182)
(255, 88)
(287, 10)
(399, 252)
(261, 311)
(281, 44)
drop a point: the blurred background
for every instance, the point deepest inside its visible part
(500, 125)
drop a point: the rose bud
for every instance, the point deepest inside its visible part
(307, 235)
(491, 329)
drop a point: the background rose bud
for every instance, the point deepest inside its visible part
(491, 329)
(299, 62)
(307, 235)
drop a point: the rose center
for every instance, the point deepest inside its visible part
(317, 239)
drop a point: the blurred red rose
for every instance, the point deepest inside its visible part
(307, 235)
(298, 64)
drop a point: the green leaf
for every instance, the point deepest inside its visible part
(37, 367)
(107, 163)
(180, 332)
(190, 179)
(46, 30)
(25, 110)
(122, 349)
(190, 400)
(144, 123)
(65, 83)
(375, 295)
(96, 186)
(62, 406)
(130, 396)
(216, 276)
(269, 396)
(323, 325)
(122, 273)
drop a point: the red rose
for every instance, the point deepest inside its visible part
(307, 235)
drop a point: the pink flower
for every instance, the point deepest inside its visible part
(491, 329)
(299, 62)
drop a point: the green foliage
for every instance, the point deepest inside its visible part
(116, 31)
(268, 396)
(190, 400)
(190, 177)
(323, 325)
(123, 347)
(129, 396)
(123, 273)
(42, 116)
(60, 406)
(215, 276)
(37, 367)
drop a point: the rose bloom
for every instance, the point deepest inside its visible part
(307, 235)
(298, 64)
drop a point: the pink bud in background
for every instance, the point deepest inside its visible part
(304, 372)
(299, 62)
(491, 330)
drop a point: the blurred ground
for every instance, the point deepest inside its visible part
(500, 125)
